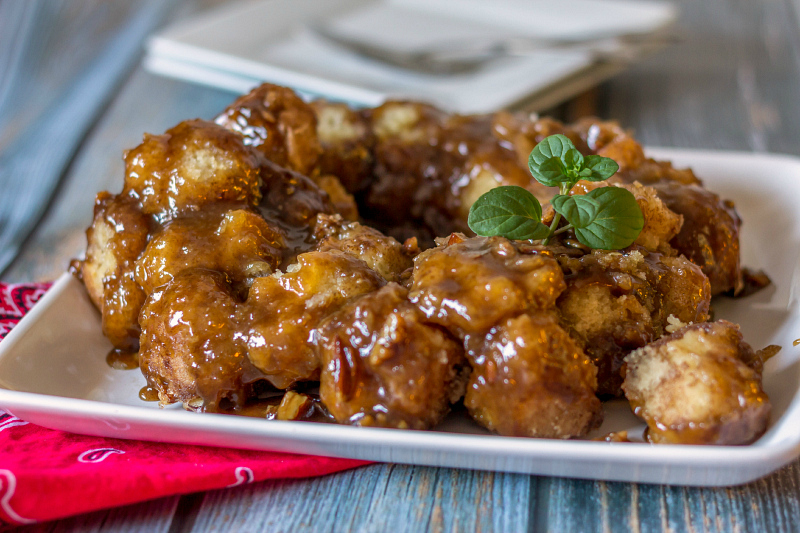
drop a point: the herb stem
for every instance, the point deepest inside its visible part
(563, 189)
(553, 226)
(562, 230)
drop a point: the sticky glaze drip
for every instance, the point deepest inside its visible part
(122, 359)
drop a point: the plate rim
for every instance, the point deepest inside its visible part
(764, 456)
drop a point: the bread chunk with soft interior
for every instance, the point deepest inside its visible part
(530, 379)
(695, 387)
(615, 302)
(194, 164)
(661, 224)
(347, 143)
(278, 123)
(117, 236)
(383, 366)
(403, 151)
(470, 285)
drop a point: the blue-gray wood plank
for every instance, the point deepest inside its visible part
(37, 151)
(732, 84)
(378, 498)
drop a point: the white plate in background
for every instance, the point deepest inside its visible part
(239, 45)
(53, 372)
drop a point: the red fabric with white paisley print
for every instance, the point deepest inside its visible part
(47, 474)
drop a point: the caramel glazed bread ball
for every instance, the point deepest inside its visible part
(258, 253)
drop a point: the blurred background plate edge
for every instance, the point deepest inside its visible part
(221, 48)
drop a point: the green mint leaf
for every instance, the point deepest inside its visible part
(509, 211)
(618, 221)
(552, 172)
(573, 159)
(601, 168)
(550, 147)
(579, 210)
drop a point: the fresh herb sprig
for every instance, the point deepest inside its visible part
(607, 218)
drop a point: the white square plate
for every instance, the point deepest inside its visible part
(53, 373)
(239, 45)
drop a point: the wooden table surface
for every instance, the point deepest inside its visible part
(732, 83)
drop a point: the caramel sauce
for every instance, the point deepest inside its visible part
(76, 268)
(267, 408)
(148, 394)
(122, 359)
(420, 182)
(264, 408)
(754, 281)
(614, 436)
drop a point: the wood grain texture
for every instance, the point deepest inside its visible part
(154, 517)
(374, 499)
(33, 160)
(731, 84)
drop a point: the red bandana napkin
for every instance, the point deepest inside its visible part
(47, 474)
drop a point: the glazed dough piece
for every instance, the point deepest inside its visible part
(405, 148)
(694, 387)
(343, 202)
(608, 139)
(117, 236)
(590, 136)
(201, 346)
(651, 171)
(382, 366)
(283, 311)
(530, 379)
(430, 167)
(482, 160)
(284, 128)
(661, 224)
(347, 143)
(710, 233)
(615, 302)
(291, 199)
(236, 242)
(192, 165)
(524, 131)
(382, 254)
(192, 351)
(528, 376)
(278, 123)
(470, 285)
